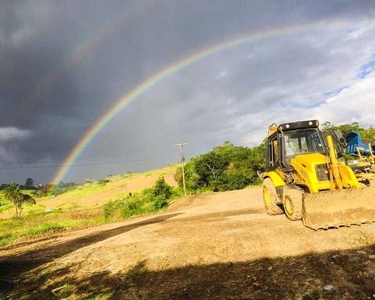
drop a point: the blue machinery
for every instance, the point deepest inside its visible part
(357, 146)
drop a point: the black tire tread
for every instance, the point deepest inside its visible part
(295, 195)
(273, 209)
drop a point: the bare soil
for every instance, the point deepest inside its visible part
(113, 189)
(219, 246)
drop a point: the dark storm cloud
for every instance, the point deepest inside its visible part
(63, 64)
(28, 103)
(42, 89)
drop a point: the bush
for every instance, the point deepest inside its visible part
(161, 188)
(149, 200)
(103, 182)
(160, 202)
(224, 168)
(127, 207)
(112, 207)
(133, 207)
(39, 193)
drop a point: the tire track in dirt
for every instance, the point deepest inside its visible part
(208, 245)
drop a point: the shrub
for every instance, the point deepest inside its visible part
(103, 182)
(133, 207)
(39, 193)
(112, 207)
(149, 200)
(161, 188)
(160, 202)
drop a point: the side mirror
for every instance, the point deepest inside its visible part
(340, 138)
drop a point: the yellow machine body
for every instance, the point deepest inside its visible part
(312, 185)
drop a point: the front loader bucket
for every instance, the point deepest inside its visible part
(339, 208)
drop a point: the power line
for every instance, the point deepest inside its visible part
(85, 164)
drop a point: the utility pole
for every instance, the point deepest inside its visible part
(181, 145)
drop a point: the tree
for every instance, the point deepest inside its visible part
(354, 126)
(162, 188)
(226, 167)
(29, 183)
(13, 194)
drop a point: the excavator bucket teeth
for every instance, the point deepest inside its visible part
(333, 209)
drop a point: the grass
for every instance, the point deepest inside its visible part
(68, 206)
(71, 214)
(86, 190)
(148, 201)
(36, 224)
(48, 227)
(7, 207)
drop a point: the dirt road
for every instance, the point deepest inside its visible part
(220, 246)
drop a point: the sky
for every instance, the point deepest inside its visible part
(65, 64)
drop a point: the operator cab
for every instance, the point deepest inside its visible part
(302, 141)
(290, 139)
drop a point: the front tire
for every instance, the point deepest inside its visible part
(293, 204)
(270, 198)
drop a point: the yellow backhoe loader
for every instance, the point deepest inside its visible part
(307, 180)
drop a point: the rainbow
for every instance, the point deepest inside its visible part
(172, 69)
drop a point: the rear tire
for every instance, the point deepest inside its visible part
(270, 198)
(293, 204)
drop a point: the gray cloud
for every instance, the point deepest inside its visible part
(64, 64)
(11, 133)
